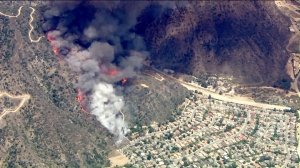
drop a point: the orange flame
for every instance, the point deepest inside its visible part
(108, 70)
(50, 38)
(80, 95)
(55, 50)
(81, 98)
(124, 80)
(112, 72)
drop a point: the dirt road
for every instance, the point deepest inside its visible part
(23, 98)
(32, 28)
(30, 23)
(13, 16)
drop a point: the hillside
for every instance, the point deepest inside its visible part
(243, 39)
(49, 130)
(148, 99)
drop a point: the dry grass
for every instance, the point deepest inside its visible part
(118, 159)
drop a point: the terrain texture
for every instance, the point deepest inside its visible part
(50, 130)
(243, 39)
(150, 99)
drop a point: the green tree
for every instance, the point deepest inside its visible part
(149, 157)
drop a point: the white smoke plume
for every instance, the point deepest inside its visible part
(94, 45)
(106, 106)
(91, 65)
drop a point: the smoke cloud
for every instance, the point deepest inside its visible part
(98, 41)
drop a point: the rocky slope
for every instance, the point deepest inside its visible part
(50, 130)
(149, 99)
(244, 39)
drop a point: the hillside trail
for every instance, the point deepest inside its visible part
(30, 22)
(23, 98)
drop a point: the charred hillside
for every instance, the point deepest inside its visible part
(243, 39)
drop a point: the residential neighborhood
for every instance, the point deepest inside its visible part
(214, 133)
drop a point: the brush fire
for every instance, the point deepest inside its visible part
(81, 100)
(98, 55)
(123, 81)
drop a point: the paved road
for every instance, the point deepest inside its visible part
(233, 99)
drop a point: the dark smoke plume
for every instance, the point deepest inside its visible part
(100, 44)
